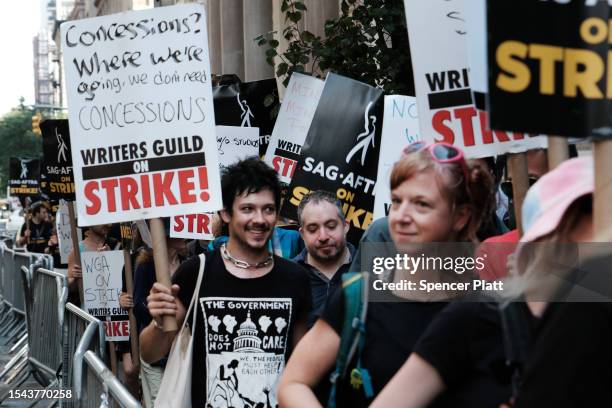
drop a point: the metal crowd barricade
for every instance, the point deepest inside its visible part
(50, 291)
(39, 353)
(4, 286)
(103, 389)
(13, 322)
(21, 259)
(82, 332)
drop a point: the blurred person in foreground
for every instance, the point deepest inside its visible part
(482, 354)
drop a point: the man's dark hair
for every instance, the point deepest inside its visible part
(36, 207)
(250, 175)
(315, 197)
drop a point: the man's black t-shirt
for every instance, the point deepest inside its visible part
(392, 330)
(465, 345)
(244, 330)
(39, 236)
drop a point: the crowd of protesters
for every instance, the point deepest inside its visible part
(522, 348)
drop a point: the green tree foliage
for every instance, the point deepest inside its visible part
(368, 42)
(16, 139)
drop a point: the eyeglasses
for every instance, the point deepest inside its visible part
(506, 186)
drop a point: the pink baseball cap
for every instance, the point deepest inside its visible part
(549, 198)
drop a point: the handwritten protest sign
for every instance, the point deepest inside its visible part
(234, 143)
(447, 112)
(345, 163)
(400, 128)
(141, 114)
(291, 128)
(102, 287)
(64, 233)
(56, 168)
(24, 177)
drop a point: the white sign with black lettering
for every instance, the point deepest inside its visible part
(400, 128)
(141, 117)
(291, 127)
(101, 289)
(235, 143)
(64, 233)
(442, 78)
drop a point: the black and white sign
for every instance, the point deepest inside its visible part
(24, 176)
(248, 104)
(341, 156)
(56, 172)
(101, 289)
(442, 77)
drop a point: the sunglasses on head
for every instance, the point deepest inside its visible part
(440, 152)
(506, 186)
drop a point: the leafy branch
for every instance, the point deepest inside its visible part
(367, 42)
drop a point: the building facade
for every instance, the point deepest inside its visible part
(233, 26)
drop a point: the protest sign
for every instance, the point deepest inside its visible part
(141, 114)
(24, 176)
(248, 104)
(476, 27)
(64, 232)
(447, 113)
(127, 235)
(234, 143)
(56, 167)
(341, 156)
(400, 128)
(192, 226)
(291, 128)
(102, 287)
(556, 81)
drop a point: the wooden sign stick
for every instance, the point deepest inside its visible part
(129, 286)
(517, 169)
(558, 151)
(602, 215)
(160, 259)
(75, 247)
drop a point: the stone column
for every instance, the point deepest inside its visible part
(213, 12)
(232, 38)
(257, 21)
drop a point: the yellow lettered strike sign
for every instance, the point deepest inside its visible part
(549, 66)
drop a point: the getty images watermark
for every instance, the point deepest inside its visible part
(561, 272)
(403, 264)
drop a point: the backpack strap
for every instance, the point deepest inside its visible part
(352, 340)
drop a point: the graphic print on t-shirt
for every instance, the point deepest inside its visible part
(246, 339)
